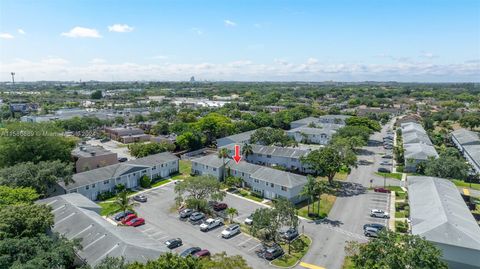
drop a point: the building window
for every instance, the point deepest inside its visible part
(106, 182)
(93, 186)
(73, 191)
(154, 167)
(284, 188)
(266, 183)
(87, 187)
(255, 180)
(214, 169)
(269, 156)
(271, 185)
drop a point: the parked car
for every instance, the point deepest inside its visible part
(202, 253)
(122, 215)
(220, 206)
(289, 234)
(140, 198)
(211, 224)
(190, 251)
(231, 230)
(387, 156)
(273, 252)
(185, 213)
(388, 146)
(173, 243)
(135, 222)
(371, 232)
(385, 163)
(123, 159)
(373, 225)
(383, 170)
(103, 140)
(248, 220)
(128, 218)
(196, 217)
(382, 190)
(377, 213)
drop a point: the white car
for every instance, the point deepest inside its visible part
(377, 213)
(210, 224)
(231, 231)
(248, 220)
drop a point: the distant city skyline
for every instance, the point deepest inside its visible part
(240, 40)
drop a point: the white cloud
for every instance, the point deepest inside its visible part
(428, 55)
(97, 61)
(120, 28)
(21, 31)
(229, 23)
(312, 61)
(197, 31)
(54, 68)
(6, 36)
(82, 32)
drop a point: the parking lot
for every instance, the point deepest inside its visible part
(162, 223)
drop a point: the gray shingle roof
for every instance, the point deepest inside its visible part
(119, 169)
(75, 217)
(211, 160)
(87, 150)
(279, 177)
(419, 151)
(439, 213)
(274, 151)
(416, 137)
(327, 129)
(236, 138)
(244, 167)
(465, 137)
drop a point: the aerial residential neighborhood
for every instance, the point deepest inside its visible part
(239, 134)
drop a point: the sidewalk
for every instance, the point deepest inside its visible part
(391, 220)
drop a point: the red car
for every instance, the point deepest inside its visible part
(383, 190)
(202, 253)
(135, 222)
(128, 218)
(219, 206)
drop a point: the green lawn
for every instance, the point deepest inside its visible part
(160, 183)
(348, 264)
(461, 183)
(108, 208)
(185, 168)
(397, 176)
(326, 204)
(400, 214)
(298, 248)
(248, 195)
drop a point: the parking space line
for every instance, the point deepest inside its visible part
(163, 237)
(254, 247)
(243, 242)
(156, 233)
(148, 229)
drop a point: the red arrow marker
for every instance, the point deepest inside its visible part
(237, 156)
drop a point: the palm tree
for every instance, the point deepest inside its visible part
(247, 149)
(231, 212)
(223, 154)
(309, 190)
(321, 187)
(124, 202)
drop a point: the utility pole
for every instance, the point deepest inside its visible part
(13, 77)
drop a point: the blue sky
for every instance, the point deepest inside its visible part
(240, 40)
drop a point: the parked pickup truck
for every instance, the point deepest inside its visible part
(210, 224)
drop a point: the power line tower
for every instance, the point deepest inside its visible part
(13, 77)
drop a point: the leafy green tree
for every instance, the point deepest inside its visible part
(40, 176)
(161, 128)
(33, 142)
(471, 120)
(270, 136)
(363, 121)
(96, 95)
(17, 196)
(396, 251)
(214, 125)
(309, 190)
(198, 190)
(328, 161)
(110, 263)
(39, 252)
(119, 120)
(321, 187)
(145, 181)
(247, 150)
(447, 167)
(233, 181)
(190, 140)
(124, 202)
(354, 131)
(222, 261)
(24, 220)
(140, 150)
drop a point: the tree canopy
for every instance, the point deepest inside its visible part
(140, 150)
(16, 196)
(196, 191)
(271, 136)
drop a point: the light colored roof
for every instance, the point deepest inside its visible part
(439, 213)
(325, 129)
(416, 137)
(465, 137)
(244, 167)
(305, 121)
(211, 160)
(412, 127)
(419, 151)
(86, 150)
(75, 217)
(237, 138)
(279, 177)
(119, 169)
(274, 151)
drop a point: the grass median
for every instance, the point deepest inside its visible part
(298, 248)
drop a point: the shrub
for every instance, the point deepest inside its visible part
(401, 227)
(119, 188)
(145, 181)
(105, 195)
